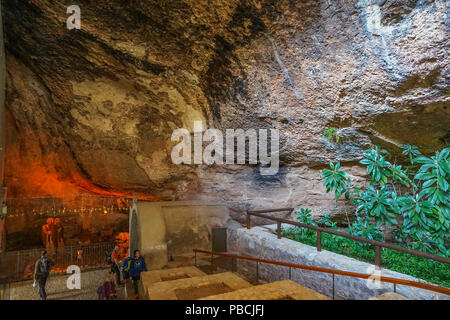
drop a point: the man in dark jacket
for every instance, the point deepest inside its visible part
(42, 269)
(136, 267)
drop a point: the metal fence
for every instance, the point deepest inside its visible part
(19, 265)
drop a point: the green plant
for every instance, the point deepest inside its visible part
(363, 228)
(410, 151)
(327, 222)
(421, 214)
(379, 169)
(304, 216)
(435, 173)
(378, 204)
(336, 180)
(331, 134)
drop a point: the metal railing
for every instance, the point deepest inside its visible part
(377, 244)
(19, 265)
(333, 272)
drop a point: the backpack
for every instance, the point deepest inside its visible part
(126, 264)
(44, 267)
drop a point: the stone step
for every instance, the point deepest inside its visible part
(279, 290)
(163, 275)
(194, 288)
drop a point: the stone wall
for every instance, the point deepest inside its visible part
(262, 242)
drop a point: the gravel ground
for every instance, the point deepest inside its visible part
(57, 288)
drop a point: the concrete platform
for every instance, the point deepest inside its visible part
(196, 287)
(280, 290)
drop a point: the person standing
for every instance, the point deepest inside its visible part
(136, 267)
(42, 269)
(115, 266)
(59, 233)
(47, 234)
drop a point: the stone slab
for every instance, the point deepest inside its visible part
(280, 290)
(173, 290)
(150, 277)
(389, 296)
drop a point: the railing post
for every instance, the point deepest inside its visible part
(18, 265)
(333, 285)
(257, 272)
(290, 273)
(378, 257)
(212, 263)
(319, 241)
(248, 221)
(279, 229)
(395, 287)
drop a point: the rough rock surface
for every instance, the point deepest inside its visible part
(93, 109)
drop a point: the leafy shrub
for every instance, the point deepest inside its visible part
(421, 214)
(363, 228)
(304, 216)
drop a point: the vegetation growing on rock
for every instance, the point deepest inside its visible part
(414, 201)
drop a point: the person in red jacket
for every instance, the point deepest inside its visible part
(115, 266)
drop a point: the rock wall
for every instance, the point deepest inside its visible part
(2, 102)
(93, 109)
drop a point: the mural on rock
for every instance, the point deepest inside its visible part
(93, 110)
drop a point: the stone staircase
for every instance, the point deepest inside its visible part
(191, 283)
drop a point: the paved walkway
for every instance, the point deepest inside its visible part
(57, 288)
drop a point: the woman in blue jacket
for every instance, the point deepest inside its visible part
(136, 267)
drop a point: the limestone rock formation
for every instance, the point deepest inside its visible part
(94, 109)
